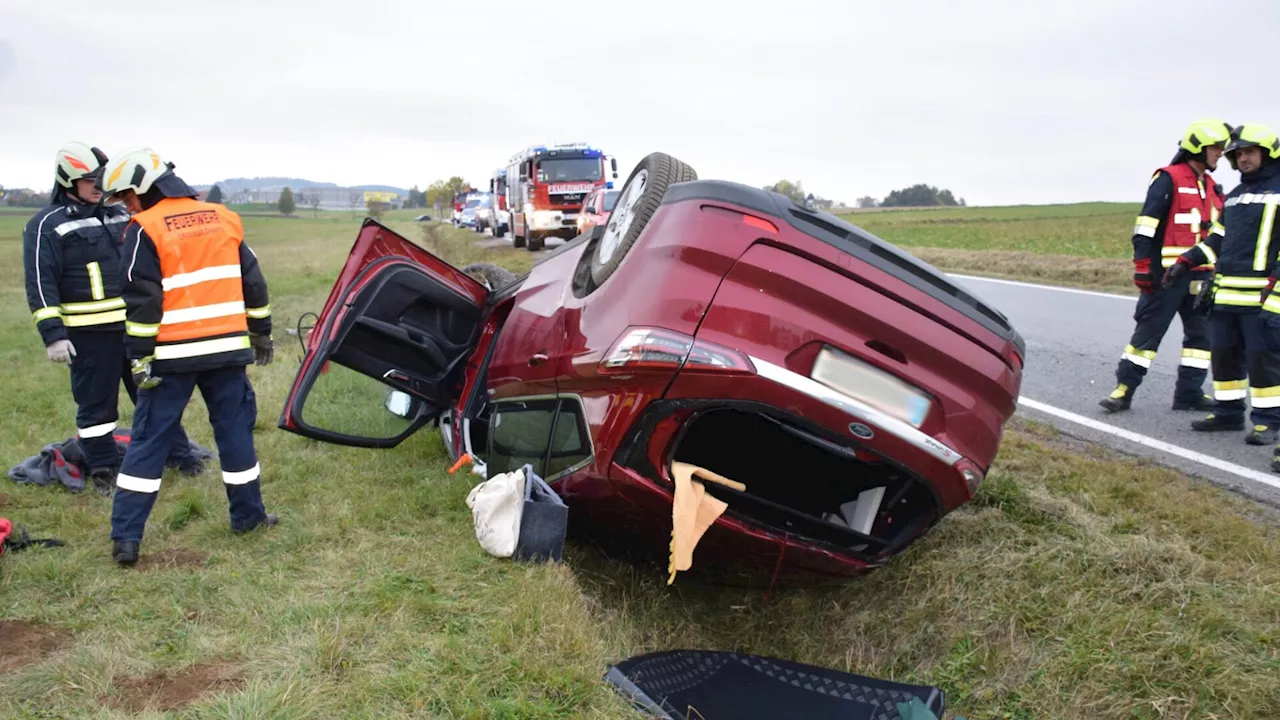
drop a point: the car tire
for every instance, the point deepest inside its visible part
(499, 231)
(634, 208)
(495, 277)
(536, 241)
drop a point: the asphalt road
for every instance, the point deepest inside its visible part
(1074, 340)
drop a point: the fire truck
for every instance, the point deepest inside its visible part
(501, 211)
(545, 187)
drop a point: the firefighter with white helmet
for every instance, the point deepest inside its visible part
(71, 259)
(197, 313)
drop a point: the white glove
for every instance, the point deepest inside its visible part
(60, 351)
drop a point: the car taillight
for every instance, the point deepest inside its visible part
(1014, 358)
(972, 475)
(665, 350)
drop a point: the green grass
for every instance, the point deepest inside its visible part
(1078, 585)
(1084, 245)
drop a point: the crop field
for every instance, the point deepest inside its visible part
(1085, 245)
(1077, 585)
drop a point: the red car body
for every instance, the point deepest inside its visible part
(596, 208)
(703, 348)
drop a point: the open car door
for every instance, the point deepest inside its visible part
(388, 350)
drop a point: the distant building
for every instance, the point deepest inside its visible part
(329, 198)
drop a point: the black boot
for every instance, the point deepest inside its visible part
(103, 480)
(1262, 435)
(125, 552)
(1120, 399)
(1203, 403)
(270, 521)
(1217, 423)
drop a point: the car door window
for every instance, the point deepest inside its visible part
(549, 434)
(519, 434)
(570, 442)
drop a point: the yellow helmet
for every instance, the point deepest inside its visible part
(1203, 133)
(1253, 135)
(136, 170)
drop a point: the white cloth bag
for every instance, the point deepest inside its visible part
(496, 506)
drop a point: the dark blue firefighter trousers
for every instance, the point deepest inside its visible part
(96, 373)
(232, 412)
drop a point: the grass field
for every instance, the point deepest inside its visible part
(1077, 585)
(1085, 245)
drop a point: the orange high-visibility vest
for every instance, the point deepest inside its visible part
(198, 245)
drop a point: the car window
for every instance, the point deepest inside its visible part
(519, 434)
(570, 443)
(609, 199)
(551, 435)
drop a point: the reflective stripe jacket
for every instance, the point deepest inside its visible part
(71, 258)
(1245, 244)
(193, 288)
(1181, 207)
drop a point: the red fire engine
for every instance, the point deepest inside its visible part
(545, 187)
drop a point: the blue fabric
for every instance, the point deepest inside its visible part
(232, 413)
(96, 373)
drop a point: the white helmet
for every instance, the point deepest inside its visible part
(136, 170)
(77, 161)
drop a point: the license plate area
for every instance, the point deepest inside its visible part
(862, 381)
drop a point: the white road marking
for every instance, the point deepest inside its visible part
(1272, 481)
(1130, 298)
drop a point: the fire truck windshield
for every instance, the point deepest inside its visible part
(570, 170)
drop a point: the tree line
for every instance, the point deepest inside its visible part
(919, 195)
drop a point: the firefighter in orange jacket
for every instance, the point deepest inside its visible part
(197, 314)
(1183, 202)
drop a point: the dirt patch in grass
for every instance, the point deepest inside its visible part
(5, 501)
(1083, 272)
(162, 691)
(170, 559)
(24, 643)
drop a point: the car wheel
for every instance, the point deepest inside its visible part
(499, 231)
(636, 204)
(492, 276)
(536, 241)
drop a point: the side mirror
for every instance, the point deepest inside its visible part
(613, 163)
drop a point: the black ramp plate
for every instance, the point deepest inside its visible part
(712, 685)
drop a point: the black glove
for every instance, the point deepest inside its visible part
(1204, 299)
(141, 371)
(263, 349)
(1175, 273)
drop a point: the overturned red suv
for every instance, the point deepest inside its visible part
(858, 393)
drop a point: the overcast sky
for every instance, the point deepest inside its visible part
(1001, 102)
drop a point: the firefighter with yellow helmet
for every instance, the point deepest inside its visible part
(1245, 323)
(1183, 201)
(197, 315)
(71, 258)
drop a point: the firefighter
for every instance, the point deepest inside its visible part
(1182, 202)
(197, 314)
(1245, 322)
(71, 258)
